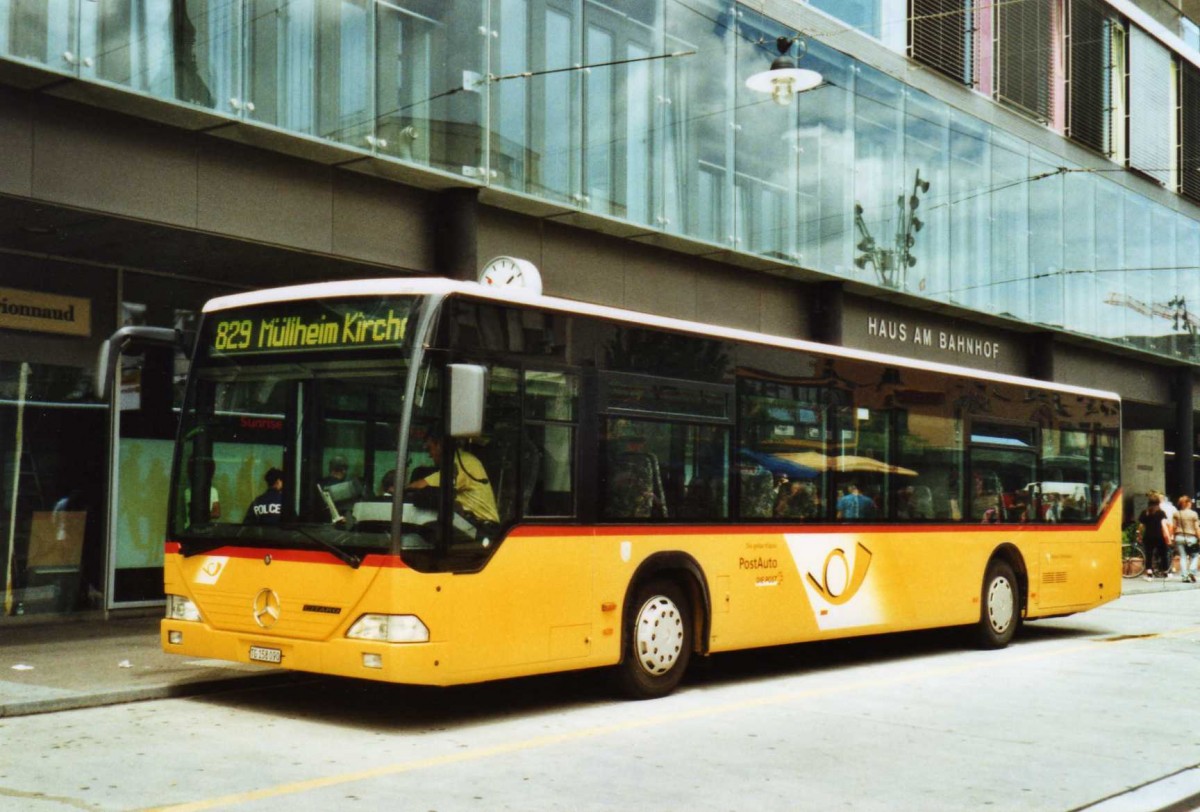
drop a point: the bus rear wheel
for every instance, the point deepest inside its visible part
(1000, 607)
(658, 637)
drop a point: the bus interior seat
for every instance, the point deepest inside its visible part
(635, 488)
(340, 497)
(703, 498)
(373, 516)
(758, 493)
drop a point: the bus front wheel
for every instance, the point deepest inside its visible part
(658, 636)
(1000, 606)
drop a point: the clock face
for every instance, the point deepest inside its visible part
(511, 272)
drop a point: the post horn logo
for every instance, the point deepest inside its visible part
(838, 584)
(266, 608)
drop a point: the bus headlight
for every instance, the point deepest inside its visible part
(181, 608)
(389, 629)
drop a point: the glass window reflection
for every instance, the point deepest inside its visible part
(639, 111)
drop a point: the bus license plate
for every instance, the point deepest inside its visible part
(265, 655)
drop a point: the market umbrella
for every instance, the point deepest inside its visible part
(777, 464)
(846, 463)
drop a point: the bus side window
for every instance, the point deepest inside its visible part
(633, 487)
(499, 448)
(551, 412)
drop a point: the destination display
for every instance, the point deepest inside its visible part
(310, 327)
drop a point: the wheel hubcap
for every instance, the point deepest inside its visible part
(659, 636)
(1000, 604)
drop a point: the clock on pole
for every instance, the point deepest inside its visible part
(512, 272)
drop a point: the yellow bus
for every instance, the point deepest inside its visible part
(629, 491)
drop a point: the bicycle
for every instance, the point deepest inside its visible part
(1133, 557)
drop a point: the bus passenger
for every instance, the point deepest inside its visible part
(268, 508)
(388, 484)
(473, 494)
(795, 500)
(338, 467)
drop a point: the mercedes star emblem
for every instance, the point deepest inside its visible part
(266, 608)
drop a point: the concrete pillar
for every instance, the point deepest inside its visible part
(456, 235)
(1039, 356)
(1185, 431)
(1141, 467)
(826, 312)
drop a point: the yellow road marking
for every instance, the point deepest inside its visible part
(634, 724)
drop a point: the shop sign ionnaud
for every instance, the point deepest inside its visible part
(45, 312)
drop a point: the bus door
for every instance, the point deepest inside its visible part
(536, 586)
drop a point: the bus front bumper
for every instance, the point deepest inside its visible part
(410, 663)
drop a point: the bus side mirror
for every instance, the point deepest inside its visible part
(468, 391)
(110, 351)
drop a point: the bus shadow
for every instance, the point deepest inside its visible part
(405, 709)
(415, 709)
(831, 655)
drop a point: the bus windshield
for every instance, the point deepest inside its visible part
(291, 429)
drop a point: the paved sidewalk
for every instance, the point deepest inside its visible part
(47, 667)
(1137, 586)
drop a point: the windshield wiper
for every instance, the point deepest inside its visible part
(349, 558)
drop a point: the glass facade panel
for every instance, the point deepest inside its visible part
(1110, 263)
(824, 152)
(554, 114)
(1007, 290)
(45, 33)
(1081, 289)
(599, 126)
(879, 199)
(862, 14)
(1138, 276)
(639, 111)
(968, 210)
(307, 68)
(703, 88)
(1187, 244)
(925, 232)
(1046, 232)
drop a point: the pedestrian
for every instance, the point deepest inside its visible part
(1186, 533)
(1168, 509)
(1152, 532)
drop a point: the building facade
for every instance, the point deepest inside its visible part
(1009, 186)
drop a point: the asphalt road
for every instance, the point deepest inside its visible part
(1079, 710)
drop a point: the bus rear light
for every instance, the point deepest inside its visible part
(389, 629)
(181, 608)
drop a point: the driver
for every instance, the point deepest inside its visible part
(473, 494)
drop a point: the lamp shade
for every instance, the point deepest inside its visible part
(783, 82)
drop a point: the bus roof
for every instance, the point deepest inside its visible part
(439, 286)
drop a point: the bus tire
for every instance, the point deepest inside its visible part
(658, 641)
(999, 606)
